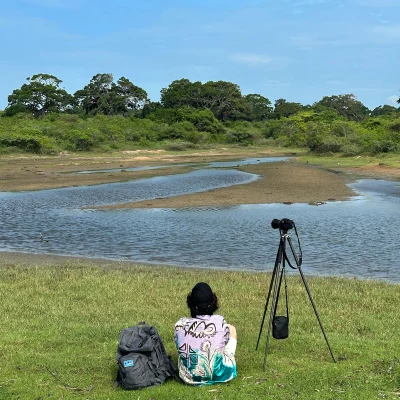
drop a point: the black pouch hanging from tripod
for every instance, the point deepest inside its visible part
(280, 327)
(280, 323)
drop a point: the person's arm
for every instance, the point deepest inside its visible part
(233, 332)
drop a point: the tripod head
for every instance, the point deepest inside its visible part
(284, 225)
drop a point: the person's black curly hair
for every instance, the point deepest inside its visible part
(202, 309)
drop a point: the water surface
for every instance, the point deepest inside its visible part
(352, 238)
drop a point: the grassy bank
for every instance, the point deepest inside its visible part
(59, 328)
(339, 161)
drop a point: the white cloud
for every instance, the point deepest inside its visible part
(392, 101)
(251, 59)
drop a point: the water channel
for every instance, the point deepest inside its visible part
(351, 238)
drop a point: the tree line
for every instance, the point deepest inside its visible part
(41, 116)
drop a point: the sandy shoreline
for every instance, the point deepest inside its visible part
(279, 182)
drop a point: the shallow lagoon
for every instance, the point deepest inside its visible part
(352, 238)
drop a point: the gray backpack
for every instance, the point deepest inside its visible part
(142, 359)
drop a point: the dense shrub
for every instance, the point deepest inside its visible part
(79, 140)
(179, 146)
(321, 132)
(395, 126)
(202, 119)
(328, 145)
(242, 137)
(243, 132)
(28, 144)
(29, 140)
(177, 130)
(385, 146)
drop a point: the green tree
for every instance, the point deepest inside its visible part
(104, 96)
(128, 96)
(93, 98)
(150, 107)
(224, 99)
(180, 93)
(383, 110)
(346, 105)
(41, 95)
(257, 107)
(285, 108)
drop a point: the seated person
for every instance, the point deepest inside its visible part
(206, 344)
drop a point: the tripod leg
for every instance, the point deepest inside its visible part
(315, 311)
(276, 267)
(275, 296)
(310, 297)
(277, 288)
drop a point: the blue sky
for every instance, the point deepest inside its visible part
(300, 50)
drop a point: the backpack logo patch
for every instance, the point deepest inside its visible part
(128, 363)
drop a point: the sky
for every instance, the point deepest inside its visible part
(299, 50)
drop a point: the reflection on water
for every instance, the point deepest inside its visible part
(353, 238)
(215, 164)
(247, 161)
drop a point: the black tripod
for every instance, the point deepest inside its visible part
(278, 274)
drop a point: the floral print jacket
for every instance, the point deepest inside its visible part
(203, 359)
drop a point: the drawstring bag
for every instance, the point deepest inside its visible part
(280, 323)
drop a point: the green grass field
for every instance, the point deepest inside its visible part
(59, 328)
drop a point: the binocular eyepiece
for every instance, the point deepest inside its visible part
(283, 224)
